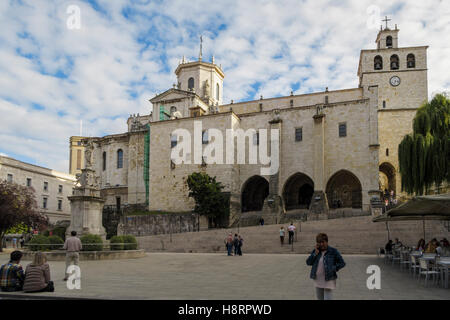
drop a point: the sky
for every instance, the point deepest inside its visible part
(98, 61)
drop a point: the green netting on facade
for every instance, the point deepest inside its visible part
(146, 163)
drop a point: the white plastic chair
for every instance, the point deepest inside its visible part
(405, 261)
(426, 270)
(414, 266)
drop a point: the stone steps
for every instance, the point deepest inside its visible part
(356, 235)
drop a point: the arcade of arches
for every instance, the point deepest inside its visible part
(343, 191)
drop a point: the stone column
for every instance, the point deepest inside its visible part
(319, 203)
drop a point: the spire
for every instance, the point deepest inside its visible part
(201, 53)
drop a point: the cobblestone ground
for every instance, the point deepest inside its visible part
(216, 276)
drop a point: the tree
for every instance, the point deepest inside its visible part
(424, 155)
(18, 208)
(210, 201)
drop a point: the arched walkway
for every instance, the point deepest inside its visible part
(387, 177)
(298, 191)
(255, 190)
(344, 190)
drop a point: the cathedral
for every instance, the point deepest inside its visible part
(337, 149)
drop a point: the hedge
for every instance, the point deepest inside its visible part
(91, 242)
(39, 243)
(126, 242)
(56, 241)
(116, 243)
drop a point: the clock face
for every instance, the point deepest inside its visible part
(395, 81)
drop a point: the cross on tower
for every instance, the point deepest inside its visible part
(386, 20)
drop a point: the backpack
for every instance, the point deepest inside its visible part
(236, 241)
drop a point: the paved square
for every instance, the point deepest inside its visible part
(217, 276)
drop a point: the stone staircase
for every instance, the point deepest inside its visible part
(354, 235)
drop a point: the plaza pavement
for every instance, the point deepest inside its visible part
(217, 276)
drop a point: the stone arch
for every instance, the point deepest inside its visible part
(344, 190)
(389, 41)
(191, 84)
(410, 61)
(254, 191)
(298, 191)
(378, 63)
(387, 177)
(395, 62)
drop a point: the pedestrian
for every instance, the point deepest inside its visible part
(241, 243)
(11, 273)
(229, 243)
(326, 262)
(73, 246)
(14, 242)
(22, 242)
(282, 232)
(37, 275)
(236, 244)
(291, 230)
(261, 221)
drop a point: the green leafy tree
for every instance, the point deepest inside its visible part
(18, 208)
(210, 201)
(424, 155)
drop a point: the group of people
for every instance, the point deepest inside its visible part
(235, 242)
(389, 199)
(36, 277)
(433, 246)
(291, 233)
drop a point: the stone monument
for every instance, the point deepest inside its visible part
(86, 204)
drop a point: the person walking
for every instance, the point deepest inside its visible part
(291, 230)
(37, 275)
(229, 243)
(22, 242)
(326, 262)
(282, 232)
(73, 246)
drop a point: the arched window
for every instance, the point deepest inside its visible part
(217, 92)
(411, 61)
(395, 63)
(389, 41)
(378, 63)
(191, 84)
(104, 161)
(119, 159)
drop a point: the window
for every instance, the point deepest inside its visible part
(28, 182)
(378, 63)
(342, 130)
(291, 103)
(205, 137)
(78, 159)
(10, 178)
(298, 134)
(387, 152)
(389, 41)
(384, 104)
(60, 189)
(217, 92)
(44, 203)
(191, 84)
(256, 139)
(59, 205)
(173, 141)
(411, 61)
(119, 159)
(104, 161)
(45, 186)
(395, 63)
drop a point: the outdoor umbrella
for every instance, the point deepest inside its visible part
(435, 207)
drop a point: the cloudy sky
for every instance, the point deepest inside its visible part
(52, 74)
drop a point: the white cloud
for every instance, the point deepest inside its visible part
(115, 64)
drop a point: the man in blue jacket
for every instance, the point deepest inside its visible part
(326, 262)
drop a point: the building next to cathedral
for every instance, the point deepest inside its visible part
(337, 149)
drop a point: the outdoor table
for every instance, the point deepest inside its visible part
(446, 265)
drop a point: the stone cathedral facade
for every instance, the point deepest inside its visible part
(337, 149)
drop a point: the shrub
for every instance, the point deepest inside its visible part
(116, 243)
(39, 243)
(46, 233)
(130, 242)
(61, 232)
(56, 242)
(91, 242)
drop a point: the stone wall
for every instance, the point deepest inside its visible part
(155, 224)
